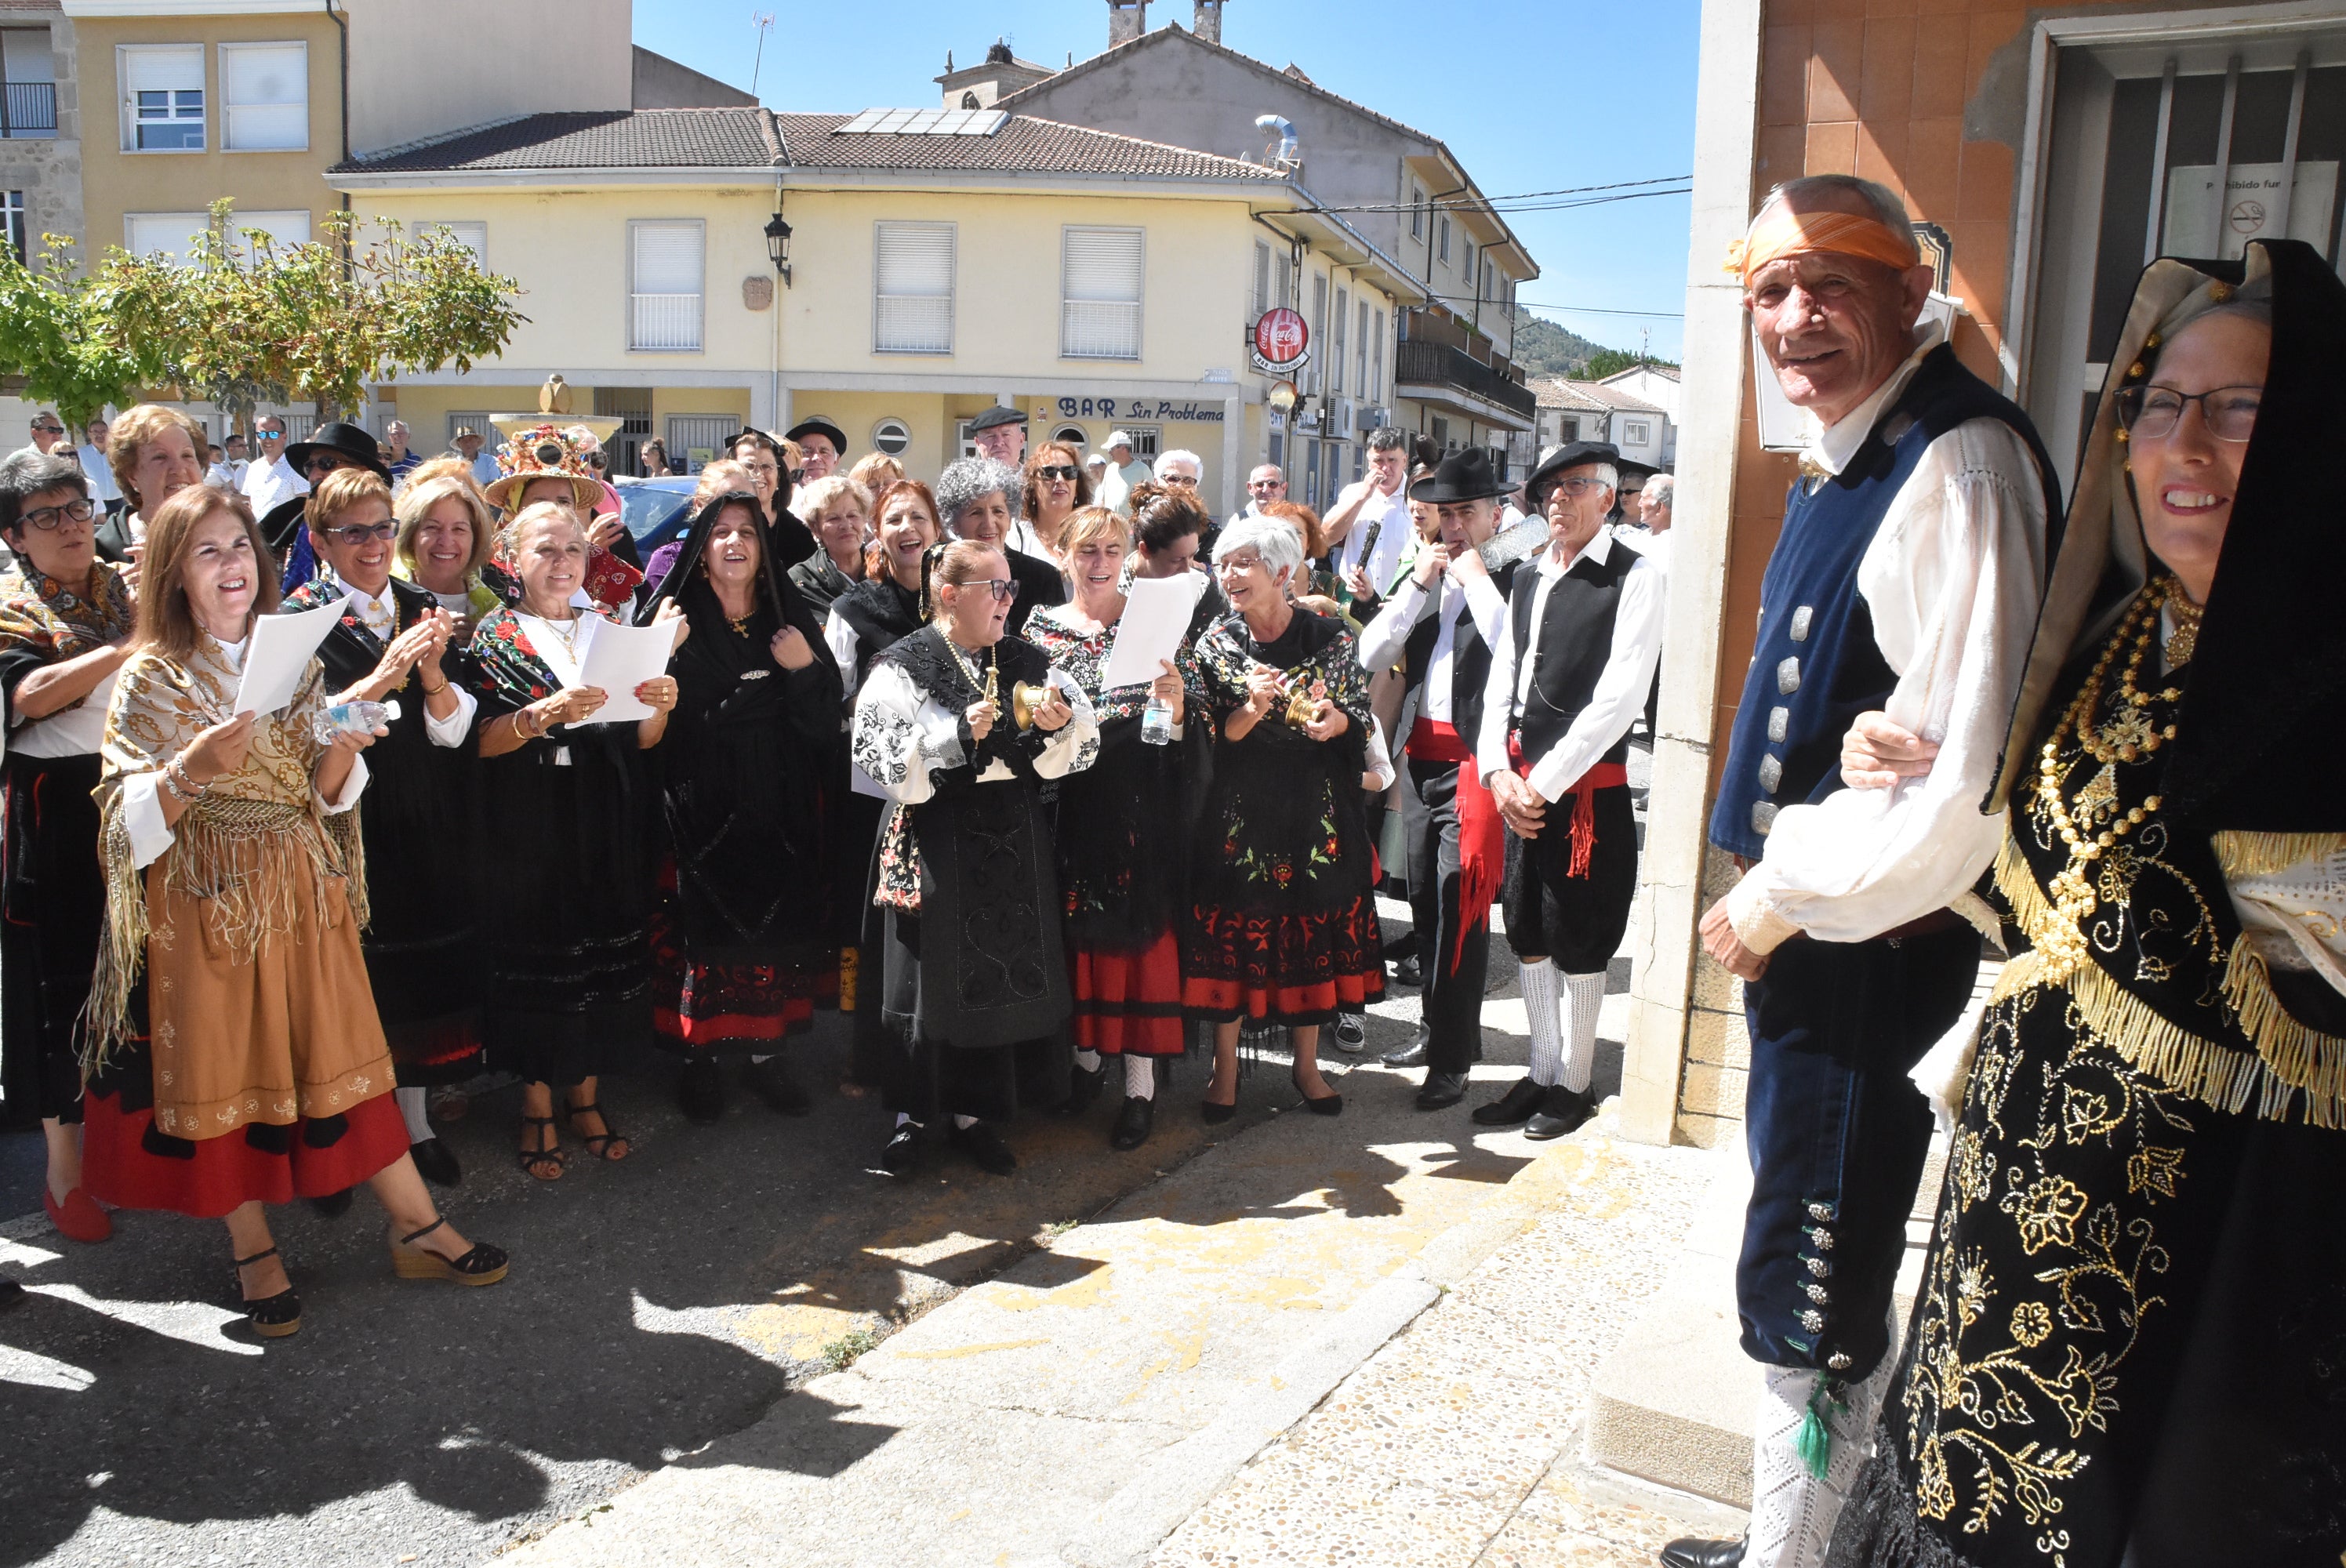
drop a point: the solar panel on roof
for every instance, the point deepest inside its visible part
(925, 122)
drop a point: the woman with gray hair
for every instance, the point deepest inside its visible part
(975, 497)
(1282, 926)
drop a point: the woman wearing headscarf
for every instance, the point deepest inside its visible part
(839, 511)
(393, 643)
(1282, 926)
(1120, 837)
(231, 1044)
(975, 983)
(569, 806)
(65, 621)
(2126, 1346)
(975, 497)
(754, 767)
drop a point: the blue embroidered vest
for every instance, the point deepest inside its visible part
(1816, 666)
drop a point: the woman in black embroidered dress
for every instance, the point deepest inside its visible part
(838, 512)
(422, 814)
(1120, 837)
(754, 766)
(1282, 923)
(975, 981)
(2129, 1344)
(570, 806)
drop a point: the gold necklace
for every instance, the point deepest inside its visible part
(568, 632)
(2187, 617)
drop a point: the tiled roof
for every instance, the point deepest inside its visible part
(1614, 397)
(1668, 372)
(23, 7)
(1555, 391)
(607, 139)
(757, 138)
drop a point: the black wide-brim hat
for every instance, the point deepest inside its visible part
(1465, 475)
(344, 441)
(821, 427)
(1571, 455)
(1001, 413)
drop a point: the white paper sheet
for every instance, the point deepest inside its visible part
(622, 658)
(1157, 612)
(281, 649)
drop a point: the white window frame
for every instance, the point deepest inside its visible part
(471, 233)
(1443, 227)
(951, 296)
(278, 226)
(128, 113)
(635, 225)
(1360, 349)
(228, 107)
(1068, 312)
(1636, 432)
(1377, 358)
(1343, 307)
(15, 230)
(892, 429)
(1417, 212)
(1317, 367)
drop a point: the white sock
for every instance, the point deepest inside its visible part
(1580, 1037)
(1140, 1077)
(964, 1124)
(1089, 1060)
(410, 1107)
(767, 1057)
(1547, 1028)
(1792, 1512)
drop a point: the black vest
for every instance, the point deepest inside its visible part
(1470, 659)
(1575, 642)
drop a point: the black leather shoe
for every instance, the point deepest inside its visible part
(773, 1082)
(334, 1205)
(1442, 1091)
(435, 1162)
(700, 1091)
(1562, 1111)
(1514, 1107)
(1351, 1032)
(11, 1294)
(900, 1155)
(1083, 1091)
(1693, 1552)
(1412, 1055)
(1409, 972)
(1133, 1124)
(985, 1148)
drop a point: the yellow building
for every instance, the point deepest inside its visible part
(938, 263)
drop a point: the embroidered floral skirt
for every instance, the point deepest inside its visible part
(699, 1005)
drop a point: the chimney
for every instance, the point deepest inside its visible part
(1127, 20)
(1208, 21)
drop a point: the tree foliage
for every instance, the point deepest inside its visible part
(63, 334)
(1613, 361)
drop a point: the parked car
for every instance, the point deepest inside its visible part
(654, 511)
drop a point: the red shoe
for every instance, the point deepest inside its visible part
(79, 1219)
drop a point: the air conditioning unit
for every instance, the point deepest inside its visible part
(1343, 415)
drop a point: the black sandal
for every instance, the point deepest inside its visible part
(272, 1316)
(484, 1265)
(598, 1145)
(533, 1159)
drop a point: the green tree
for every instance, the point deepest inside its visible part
(64, 331)
(1609, 361)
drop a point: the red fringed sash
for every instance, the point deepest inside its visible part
(1603, 776)
(1482, 835)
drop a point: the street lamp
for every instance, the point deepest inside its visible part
(778, 246)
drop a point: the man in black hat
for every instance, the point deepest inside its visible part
(821, 445)
(1584, 634)
(1000, 433)
(1440, 628)
(333, 445)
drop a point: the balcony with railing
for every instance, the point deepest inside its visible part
(665, 324)
(1422, 363)
(28, 111)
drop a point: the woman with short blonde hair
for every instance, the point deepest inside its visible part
(837, 512)
(445, 533)
(155, 453)
(875, 471)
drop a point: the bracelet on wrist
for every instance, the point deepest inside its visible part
(435, 690)
(181, 783)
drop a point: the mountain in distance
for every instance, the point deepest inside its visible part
(1544, 349)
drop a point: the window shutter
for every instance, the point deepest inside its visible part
(168, 234)
(1101, 315)
(666, 303)
(913, 290)
(266, 88)
(163, 70)
(473, 236)
(1336, 343)
(1261, 282)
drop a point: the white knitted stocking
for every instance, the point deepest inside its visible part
(1580, 1033)
(1792, 1512)
(1547, 1029)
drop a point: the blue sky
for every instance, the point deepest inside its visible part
(1532, 95)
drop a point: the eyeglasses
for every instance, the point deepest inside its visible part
(48, 429)
(45, 518)
(1005, 588)
(1057, 471)
(323, 462)
(358, 534)
(1188, 480)
(270, 435)
(1578, 485)
(2152, 412)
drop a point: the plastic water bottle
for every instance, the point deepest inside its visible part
(354, 719)
(1157, 721)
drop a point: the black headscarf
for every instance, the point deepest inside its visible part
(778, 602)
(2260, 745)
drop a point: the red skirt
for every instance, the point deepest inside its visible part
(1129, 1003)
(126, 1163)
(696, 1006)
(1298, 970)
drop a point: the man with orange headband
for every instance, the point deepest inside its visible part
(1906, 578)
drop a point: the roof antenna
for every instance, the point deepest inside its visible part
(761, 20)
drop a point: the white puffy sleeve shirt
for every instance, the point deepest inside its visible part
(902, 736)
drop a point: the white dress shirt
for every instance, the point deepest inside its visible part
(1385, 639)
(100, 475)
(227, 473)
(381, 616)
(269, 485)
(1952, 579)
(1393, 535)
(1620, 693)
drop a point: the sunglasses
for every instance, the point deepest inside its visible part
(358, 534)
(1057, 471)
(46, 518)
(48, 429)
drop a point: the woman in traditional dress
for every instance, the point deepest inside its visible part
(1281, 927)
(1120, 838)
(570, 807)
(444, 535)
(838, 510)
(1056, 489)
(65, 621)
(975, 981)
(393, 643)
(2129, 1344)
(975, 497)
(754, 766)
(249, 1066)
(546, 465)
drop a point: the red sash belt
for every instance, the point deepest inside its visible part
(1603, 776)
(1482, 835)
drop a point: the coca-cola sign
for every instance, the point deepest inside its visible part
(1282, 340)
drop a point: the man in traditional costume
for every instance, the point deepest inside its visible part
(1583, 634)
(1438, 630)
(1906, 577)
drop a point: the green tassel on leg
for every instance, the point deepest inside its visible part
(1814, 1444)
